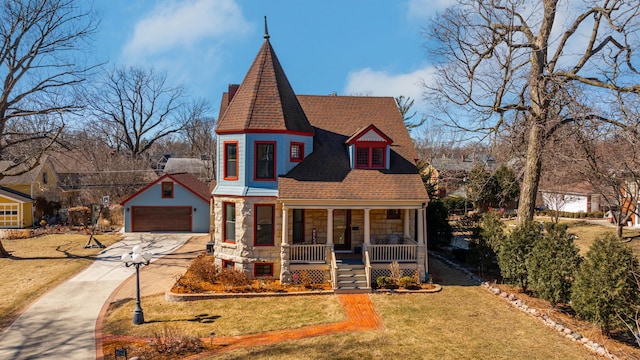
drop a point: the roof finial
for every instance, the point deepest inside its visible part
(266, 31)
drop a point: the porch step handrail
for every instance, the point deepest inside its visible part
(367, 264)
(334, 269)
(315, 253)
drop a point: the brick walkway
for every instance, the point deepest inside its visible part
(359, 309)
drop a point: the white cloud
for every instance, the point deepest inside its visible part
(420, 9)
(173, 25)
(381, 83)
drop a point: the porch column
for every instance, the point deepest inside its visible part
(421, 226)
(406, 222)
(285, 219)
(329, 227)
(285, 273)
(367, 227)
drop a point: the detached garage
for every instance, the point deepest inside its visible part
(16, 209)
(173, 202)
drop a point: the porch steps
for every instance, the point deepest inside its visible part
(351, 279)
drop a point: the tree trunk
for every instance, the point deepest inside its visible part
(3, 253)
(619, 230)
(531, 179)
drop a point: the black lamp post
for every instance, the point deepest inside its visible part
(137, 258)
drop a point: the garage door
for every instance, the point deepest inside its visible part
(161, 218)
(9, 216)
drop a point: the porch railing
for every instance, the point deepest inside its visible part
(307, 253)
(389, 253)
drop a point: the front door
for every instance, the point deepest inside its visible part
(342, 229)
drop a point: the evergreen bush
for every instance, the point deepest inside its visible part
(605, 291)
(552, 265)
(514, 251)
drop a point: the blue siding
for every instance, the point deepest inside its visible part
(246, 185)
(152, 196)
(242, 153)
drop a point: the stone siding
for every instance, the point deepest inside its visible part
(243, 253)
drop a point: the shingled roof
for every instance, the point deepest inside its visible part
(264, 101)
(326, 172)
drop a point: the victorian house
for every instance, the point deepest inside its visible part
(324, 186)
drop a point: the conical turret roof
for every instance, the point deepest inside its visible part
(265, 100)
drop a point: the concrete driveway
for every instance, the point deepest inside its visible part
(61, 324)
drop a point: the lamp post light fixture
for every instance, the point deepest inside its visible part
(137, 258)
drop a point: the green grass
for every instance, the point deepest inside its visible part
(38, 265)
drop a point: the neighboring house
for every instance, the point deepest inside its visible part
(72, 168)
(173, 202)
(38, 183)
(449, 174)
(575, 197)
(200, 168)
(306, 183)
(16, 209)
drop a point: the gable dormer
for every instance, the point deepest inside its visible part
(369, 148)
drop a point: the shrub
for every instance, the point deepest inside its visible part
(492, 230)
(396, 272)
(407, 282)
(605, 291)
(203, 268)
(231, 277)
(170, 341)
(514, 251)
(306, 280)
(552, 265)
(386, 282)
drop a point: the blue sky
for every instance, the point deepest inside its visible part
(353, 47)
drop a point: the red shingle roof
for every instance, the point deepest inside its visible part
(265, 100)
(326, 173)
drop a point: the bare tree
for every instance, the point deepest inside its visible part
(41, 44)
(135, 107)
(522, 67)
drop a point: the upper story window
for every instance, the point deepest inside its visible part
(296, 153)
(230, 161)
(265, 161)
(45, 178)
(370, 147)
(167, 190)
(370, 157)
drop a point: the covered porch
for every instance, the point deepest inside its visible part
(318, 238)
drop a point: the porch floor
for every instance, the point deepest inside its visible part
(349, 258)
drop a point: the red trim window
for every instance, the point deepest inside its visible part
(263, 269)
(230, 160)
(263, 225)
(370, 157)
(265, 160)
(228, 264)
(167, 190)
(296, 152)
(229, 220)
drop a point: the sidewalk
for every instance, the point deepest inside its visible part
(61, 324)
